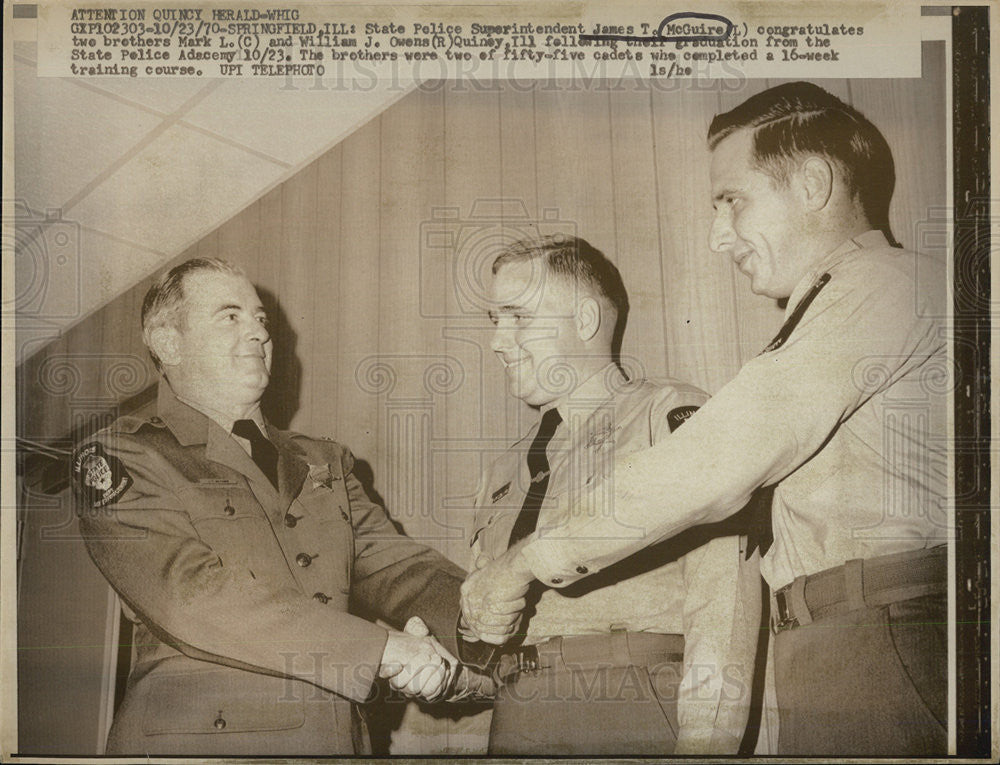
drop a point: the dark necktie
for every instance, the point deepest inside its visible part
(760, 533)
(538, 470)
(262, 451)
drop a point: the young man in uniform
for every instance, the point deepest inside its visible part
(844, 414)
(656, 655)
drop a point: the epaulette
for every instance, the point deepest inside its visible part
(301, 436)
(321, 445)
(128, 424)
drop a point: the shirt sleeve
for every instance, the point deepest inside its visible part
(722, 599)
(721, 613)
(861, 333)
(396, 577)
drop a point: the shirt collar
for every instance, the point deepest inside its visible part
(868, 240)
(225, 421)
(578, 406)
(189, 421)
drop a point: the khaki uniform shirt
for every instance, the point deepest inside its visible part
(693, 586)
(847, 410)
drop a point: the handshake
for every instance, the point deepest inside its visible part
(418, 666)
(493, 598)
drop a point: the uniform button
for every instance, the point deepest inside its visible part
(219, 723)
(229, 509)
(291, 520)
(303, 560)
(581, 569)
(321, 597)
(556, 580)
(155, 420)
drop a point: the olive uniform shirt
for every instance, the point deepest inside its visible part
(242, 594)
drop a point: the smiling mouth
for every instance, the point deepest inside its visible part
(508, 365)
(256, 356)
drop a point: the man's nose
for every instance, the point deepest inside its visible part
(258, 331)
(502, 339)
(721, 236)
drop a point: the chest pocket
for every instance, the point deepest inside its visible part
(493, 531)
(230, 520)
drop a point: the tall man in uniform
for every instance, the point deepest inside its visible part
(843, 414)
(236, 547)
(656, 654)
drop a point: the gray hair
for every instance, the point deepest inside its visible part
(164, 305)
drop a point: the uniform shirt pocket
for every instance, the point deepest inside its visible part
(222, 701)
(229, 519)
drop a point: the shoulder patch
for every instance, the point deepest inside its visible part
(98, 477)
(679, 415)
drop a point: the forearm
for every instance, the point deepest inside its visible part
(425, 584)
(182, 591)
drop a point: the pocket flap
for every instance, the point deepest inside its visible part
(221, 701)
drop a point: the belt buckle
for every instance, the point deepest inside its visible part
(511, 663)
(527, 658)
(782, 620)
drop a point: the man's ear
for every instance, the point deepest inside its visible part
(588, 318)
(816, 177)
(165, 343)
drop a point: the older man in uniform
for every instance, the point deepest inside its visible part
(655, 655)
(843, 413)
(236, 547)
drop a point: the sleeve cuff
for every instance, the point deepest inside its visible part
(469, 650)
(552, 562)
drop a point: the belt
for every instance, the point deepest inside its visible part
(859, 583)
(579, 652)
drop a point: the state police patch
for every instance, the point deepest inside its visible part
(679, 415)
(99, 478)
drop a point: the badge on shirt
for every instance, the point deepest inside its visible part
(679, 415)
(500, 493)
(602, 437)
(100, 478)
(321, 475)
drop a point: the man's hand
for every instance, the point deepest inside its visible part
(416, 664)
(493, 597)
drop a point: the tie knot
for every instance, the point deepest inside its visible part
(248, 429)
(547, 427)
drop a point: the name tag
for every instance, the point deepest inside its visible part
(501, 492)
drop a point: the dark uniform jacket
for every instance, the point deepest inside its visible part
(245, 640)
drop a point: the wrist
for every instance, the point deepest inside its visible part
(517, 564)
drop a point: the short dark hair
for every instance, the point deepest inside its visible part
(798, 118)
(164, 301)
(577, 260)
